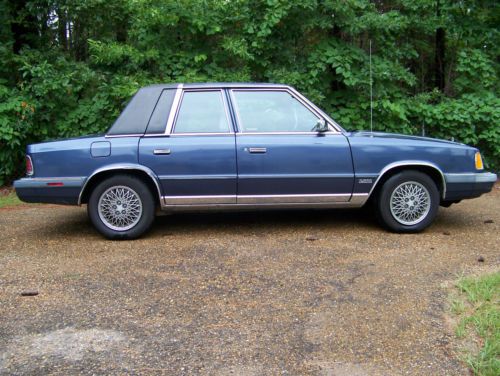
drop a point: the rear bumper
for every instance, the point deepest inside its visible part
(468, 185)
(49, 190)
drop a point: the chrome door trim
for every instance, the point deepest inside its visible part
(294, 176)
(193, 200)
(174, 109)
(292, 199)
(196, 177)
(210, 203)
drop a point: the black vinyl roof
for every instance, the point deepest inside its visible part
(135, 117)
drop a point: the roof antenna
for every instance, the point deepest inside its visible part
(371, 91)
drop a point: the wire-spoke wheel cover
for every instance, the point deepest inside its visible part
(120, 208)
(410, 203)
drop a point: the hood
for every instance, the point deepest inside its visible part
(397, 136)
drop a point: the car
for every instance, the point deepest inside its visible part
(216, 146)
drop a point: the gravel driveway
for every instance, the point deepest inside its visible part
(291, 292)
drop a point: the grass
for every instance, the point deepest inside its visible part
(8, 198)
(477, 307)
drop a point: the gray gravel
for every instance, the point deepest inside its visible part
(292, 292)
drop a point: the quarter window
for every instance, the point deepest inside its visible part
(272, 111)
(202, 112)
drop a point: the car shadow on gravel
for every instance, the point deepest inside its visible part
(75, 223)
(265, 219)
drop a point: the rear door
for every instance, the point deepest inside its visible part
(281, 158)
(195, 159)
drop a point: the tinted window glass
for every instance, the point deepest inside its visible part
(202, 112)
(158, 121)
(272, 111)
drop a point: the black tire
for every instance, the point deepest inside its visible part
(392, 216)
(142, 198)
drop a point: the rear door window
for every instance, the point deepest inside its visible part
(202, 112)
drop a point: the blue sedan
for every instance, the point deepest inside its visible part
(245, 146)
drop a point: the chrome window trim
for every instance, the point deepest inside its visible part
(171, 132)
(202, 134)
(409, 164)
(156, 135)
(286, 133)
(124, 135)
(294, 94)
(174, 109)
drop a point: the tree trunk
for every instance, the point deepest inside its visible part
(440, 53)
(62, 30)
(23, 26)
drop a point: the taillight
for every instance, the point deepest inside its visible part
(29, 166)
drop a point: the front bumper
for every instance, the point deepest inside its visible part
(50, 190)
(468, 185)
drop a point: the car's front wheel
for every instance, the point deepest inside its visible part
(121, 207)
(408, 202)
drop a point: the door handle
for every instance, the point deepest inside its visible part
(257, 150)
(161, 152)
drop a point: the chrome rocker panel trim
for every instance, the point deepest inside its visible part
(314, 201)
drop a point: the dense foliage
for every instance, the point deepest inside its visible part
(68, 66)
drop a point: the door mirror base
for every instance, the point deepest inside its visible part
(321, 126)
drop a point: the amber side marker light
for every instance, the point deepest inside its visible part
(479, 161)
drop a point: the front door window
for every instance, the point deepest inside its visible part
(272, 111)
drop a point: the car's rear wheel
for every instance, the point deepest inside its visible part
(121, 207)
(408, 202)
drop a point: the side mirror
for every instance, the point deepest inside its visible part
(321, 126)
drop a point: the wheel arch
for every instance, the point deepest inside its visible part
(144, 173)
(428, 168)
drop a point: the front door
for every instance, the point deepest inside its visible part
(196, 162)
(281, 157)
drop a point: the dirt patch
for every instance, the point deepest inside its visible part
(60, 346)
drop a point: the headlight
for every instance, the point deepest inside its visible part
(479, 161)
